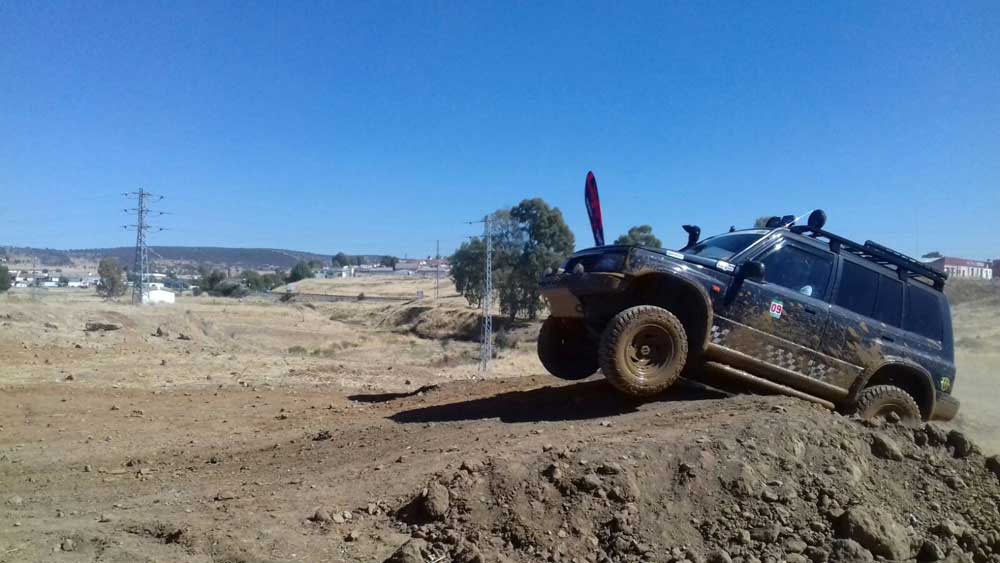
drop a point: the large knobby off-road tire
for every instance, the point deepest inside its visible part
(643, 350)
(879, 401)
(565, 349)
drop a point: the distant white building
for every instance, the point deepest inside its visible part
(962, 267)
(158, 296)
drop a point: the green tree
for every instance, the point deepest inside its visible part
(528, 239)
(340, 260)
(467, 270)
(389, 261)
(253, 280)
(300, 272)
(209, 279)
(4, 279)
(641, 235)
(271, 281)
(761, 222)
(260, 282)
(112, 282)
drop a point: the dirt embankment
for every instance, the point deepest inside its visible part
(788, 483)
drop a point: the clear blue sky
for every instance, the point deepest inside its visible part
(376, 127)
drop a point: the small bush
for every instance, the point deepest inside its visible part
(505, 340)
(361, 296)
(297, 350)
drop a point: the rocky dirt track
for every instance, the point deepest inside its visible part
(281, 467)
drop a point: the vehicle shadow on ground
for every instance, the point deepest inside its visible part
(578, 401)
(386, 397)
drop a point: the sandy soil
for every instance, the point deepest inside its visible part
(212, 430)
(977, 354)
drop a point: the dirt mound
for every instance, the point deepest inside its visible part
(428, 321)
(457, 323)
(794, 484)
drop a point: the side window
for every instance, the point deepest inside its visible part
(857, 288)
(798, 270)
(923, 312)
(889, 307)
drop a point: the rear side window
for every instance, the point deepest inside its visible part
(889, 306)
(857, 289)
(923, 312)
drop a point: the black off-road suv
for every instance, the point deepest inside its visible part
(790, 309)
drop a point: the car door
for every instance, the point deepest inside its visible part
(781, 319)
(866, 312)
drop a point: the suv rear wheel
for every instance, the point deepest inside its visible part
(643, 350)
(879, 401)
(565, 350)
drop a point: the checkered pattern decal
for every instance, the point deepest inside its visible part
(818, 370)
(789, 359)
(719, 334)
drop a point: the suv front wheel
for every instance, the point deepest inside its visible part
(643, 350)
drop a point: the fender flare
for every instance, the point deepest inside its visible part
(921, 373)
(689, 285)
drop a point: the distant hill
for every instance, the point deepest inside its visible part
(254, 258)
(191, 256)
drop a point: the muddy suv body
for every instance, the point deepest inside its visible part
(794, 310)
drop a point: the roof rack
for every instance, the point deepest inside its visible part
(906, 266)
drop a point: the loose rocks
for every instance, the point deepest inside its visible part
(435, 501)
(875, 530)
(885, 448)
(960, 443)
(410, 552)
(849, 551)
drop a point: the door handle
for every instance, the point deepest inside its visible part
(887, 338)
(810, 310)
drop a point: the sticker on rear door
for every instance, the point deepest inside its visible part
(777, 307)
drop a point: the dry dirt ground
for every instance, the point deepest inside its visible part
(220, 430)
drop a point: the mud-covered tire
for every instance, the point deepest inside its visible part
(565, 349)
(880, 400)
(643, 350)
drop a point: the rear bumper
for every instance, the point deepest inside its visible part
(945, 407)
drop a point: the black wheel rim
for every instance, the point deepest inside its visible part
(649, 350)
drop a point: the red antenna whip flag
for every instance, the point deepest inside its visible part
(593, 202)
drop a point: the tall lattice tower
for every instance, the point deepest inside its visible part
(486, 349)
(140, 266)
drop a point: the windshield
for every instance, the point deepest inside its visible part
(722, 247)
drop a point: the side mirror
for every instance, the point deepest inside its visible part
(753, 271)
